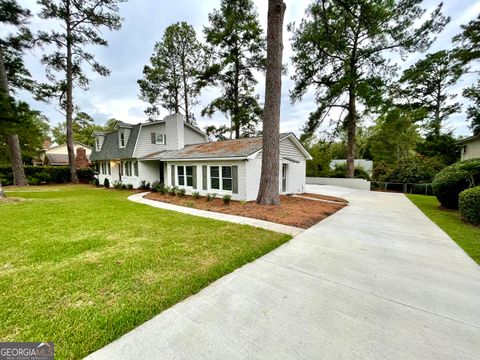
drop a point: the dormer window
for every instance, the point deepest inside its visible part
(97, 143)
(159, 138)
(122, 139)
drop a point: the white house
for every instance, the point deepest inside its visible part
(176, 153)
(470, 147)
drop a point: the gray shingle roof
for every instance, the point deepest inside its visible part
(218, 149)
(110, 149)
(57, 159)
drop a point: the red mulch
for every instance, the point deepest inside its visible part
(292, 211)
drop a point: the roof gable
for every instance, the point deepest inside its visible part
(110, 147)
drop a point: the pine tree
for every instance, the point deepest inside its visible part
(81, 23)
(237, 48)
(341, 50)
(13, 74)
(170, 79)
(427, 84)
(468, 51)
(268, 192)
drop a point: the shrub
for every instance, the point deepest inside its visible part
(226, 199)
(414, 170)
(85, 175)
(117, 184)
(162, 189)
(33, 180)
(50, 174)
(172, 190)
(129, 187)
(381, 170)
(340, 171)
(210, 197)
(144, 185)
(195, 195)
(96, 182)
(469, 205)
(106, 183)
(123, 187)
(455, 178)
(181, 192)
(44, 177)
(155, 186)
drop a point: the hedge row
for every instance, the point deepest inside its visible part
(469, 205)
(455, 178)
(46, 175)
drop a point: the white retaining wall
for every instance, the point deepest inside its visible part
(359, 184)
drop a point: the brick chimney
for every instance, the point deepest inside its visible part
(81, 160)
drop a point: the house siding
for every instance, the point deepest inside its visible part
(288, 149)
(144, 143)
(241, 177)
(470, 150)
(193, 137)
(147, 171)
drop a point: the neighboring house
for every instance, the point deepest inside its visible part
(178, 154)
(57, 155)
(367, 165)
(470, 147)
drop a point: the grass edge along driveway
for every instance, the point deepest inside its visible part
(81, 266)
(465, 235)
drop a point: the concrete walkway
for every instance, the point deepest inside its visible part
(377, 280)
(284, 229)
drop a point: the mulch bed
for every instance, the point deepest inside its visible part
(293, 211)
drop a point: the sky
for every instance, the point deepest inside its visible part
(144, 23)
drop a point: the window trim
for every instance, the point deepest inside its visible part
(184, 176)
(220, 178)
(163, 142)
(97, 143)
(121, 140)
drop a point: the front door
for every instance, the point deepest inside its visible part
(284, 177)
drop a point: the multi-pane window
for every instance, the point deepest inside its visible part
(215, 177)
(109, 168)
(160, 139)
(185, 175)
(135, 168)
(221, 178)
(97, 141)
(128, 168)
(227, 178)
(181, 175)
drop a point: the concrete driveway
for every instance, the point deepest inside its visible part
(377, 280)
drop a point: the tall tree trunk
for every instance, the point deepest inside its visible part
(19, 178)
(185, 90)
(69, 110)
(351, 129)
(268, 193)
(352, 111)
(176, 92)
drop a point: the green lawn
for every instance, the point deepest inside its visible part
(465, 235)
(81, 266)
